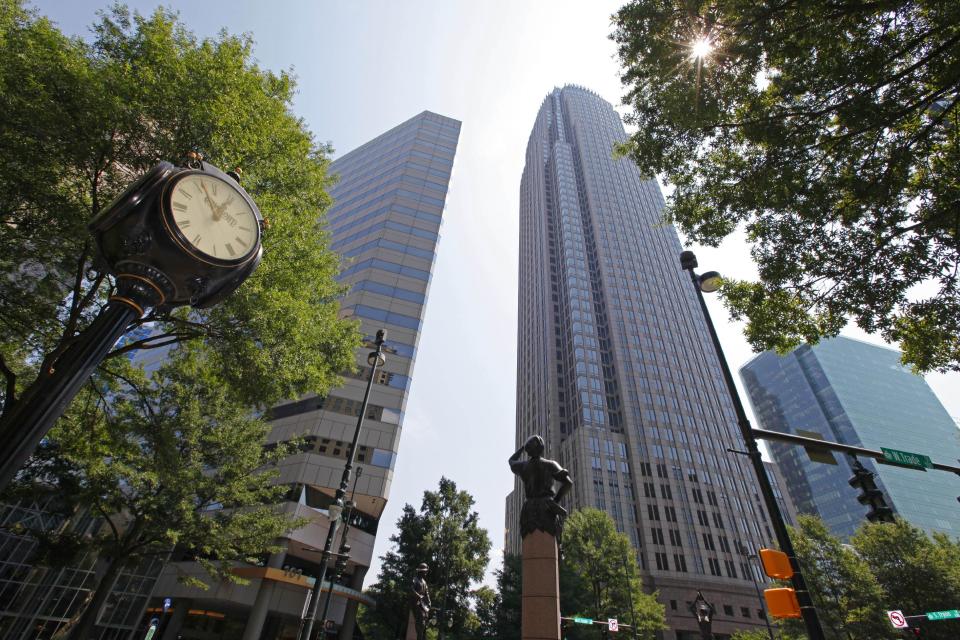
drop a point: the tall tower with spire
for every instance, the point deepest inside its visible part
(616, 370)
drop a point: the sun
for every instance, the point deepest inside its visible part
(701, 48)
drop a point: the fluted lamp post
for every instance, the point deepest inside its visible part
(343, 553)
(375, 359)
(708, 283)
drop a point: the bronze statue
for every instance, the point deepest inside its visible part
(541, 509)
(420, 601)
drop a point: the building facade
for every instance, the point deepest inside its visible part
(859, 394)
(385, 222)
(616, 371)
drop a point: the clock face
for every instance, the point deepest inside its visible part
(213, 217)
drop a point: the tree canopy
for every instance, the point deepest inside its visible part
(602, 564)
(444, 534)
(169, 461)
(885, 566)
(82, 119)
(826, 132)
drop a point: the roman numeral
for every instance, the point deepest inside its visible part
(214, 188)
(243, 228)
(243, 243)
(185, 194)
(183, 224)
(196, 240)
(179, 206)
(230, 249)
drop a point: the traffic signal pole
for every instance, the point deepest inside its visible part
(814, 443)
(810, 618)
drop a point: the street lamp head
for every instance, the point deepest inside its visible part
(381, 336)
(335, 510)
(376, 359)
(710, 281)
(688, 260)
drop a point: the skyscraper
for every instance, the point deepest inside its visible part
(385, 222)
(616, 370)
(856, 393)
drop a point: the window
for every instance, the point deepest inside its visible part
(680, 562)
(714, 567)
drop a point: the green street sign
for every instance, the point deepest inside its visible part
(583, 620)
(943, 615)
(907, 459)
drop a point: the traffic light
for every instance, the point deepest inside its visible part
(782, 601)
(870, 495)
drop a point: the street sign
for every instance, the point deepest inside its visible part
(583, 620)
(907, 459)
(167, 603)
(897, 619)
(612, 624)
(943, 615)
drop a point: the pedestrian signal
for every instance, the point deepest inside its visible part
(782, 603)
(776, 564)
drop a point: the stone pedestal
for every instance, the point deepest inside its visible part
(411, 627)
(541, 588)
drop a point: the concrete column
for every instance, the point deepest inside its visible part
(540, 617)
(350, 617)
(174, 624)
(261, 606)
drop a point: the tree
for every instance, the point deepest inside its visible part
(445, 535)
(170, 461)
(886, 566)
(916, 572)
(82, 120)
(605, 562)
(848, 598)
(828, 133)
(509, 594)
(486, 608)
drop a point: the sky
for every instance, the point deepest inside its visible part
(365, 66)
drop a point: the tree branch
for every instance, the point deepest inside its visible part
(9, 396)
(149, 343)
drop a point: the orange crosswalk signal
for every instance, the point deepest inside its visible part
(776, 564)
(782, 603)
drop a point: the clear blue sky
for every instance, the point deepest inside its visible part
(364, 67)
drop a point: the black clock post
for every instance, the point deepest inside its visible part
(155, 265)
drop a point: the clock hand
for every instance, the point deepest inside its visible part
(210, 202)
(221, 208)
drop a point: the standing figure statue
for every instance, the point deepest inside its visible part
(419, 604)
(541, 509)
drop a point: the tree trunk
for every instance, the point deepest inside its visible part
(81, 626)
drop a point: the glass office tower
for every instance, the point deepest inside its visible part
(857, 393)
(385, 222)
(616, 370)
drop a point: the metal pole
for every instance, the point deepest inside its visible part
(45, 401)
(809, 612)
(763, 608)
(633, 614)
(375, 359)
(815, 443)
(343, 542)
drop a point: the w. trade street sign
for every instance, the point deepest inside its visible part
(943, 615)
(907, 459)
